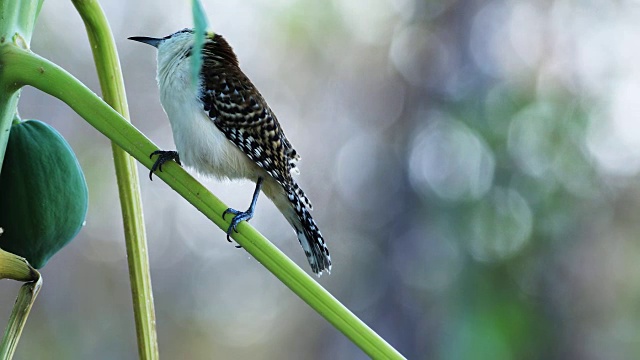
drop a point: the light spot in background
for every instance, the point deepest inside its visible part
(451, 160)
(575, 170)
(616, 143)
(602, 46)
(526, 31)
(420, 56)
(489, 38)
(625, 114)
(531, 139)
(607, 66)
(500, 226)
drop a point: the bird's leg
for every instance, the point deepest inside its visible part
(243, 215)
(163, 157)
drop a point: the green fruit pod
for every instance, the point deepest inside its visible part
(43, 193)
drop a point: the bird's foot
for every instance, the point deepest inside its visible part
(239, 216)
(163, 157)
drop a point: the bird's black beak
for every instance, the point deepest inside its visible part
(147, 40)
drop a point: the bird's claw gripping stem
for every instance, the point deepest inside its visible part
(163, 157)
(242, 215)
(237, 218)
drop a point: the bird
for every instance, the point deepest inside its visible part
(224, 128)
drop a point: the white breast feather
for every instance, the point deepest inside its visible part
(200, 144)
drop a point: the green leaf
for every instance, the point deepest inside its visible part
(200, 29)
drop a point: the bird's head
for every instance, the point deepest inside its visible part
(177, 46)
(171, 48)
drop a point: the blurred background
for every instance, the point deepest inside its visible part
(473, 166)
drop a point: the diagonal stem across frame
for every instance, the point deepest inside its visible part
(22, 67)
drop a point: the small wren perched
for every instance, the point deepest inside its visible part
(224, 128)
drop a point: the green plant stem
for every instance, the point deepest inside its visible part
(19, 314)
(8, 106)
(106, 58)
(25, 68)
(18, 268)
(17, 19)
